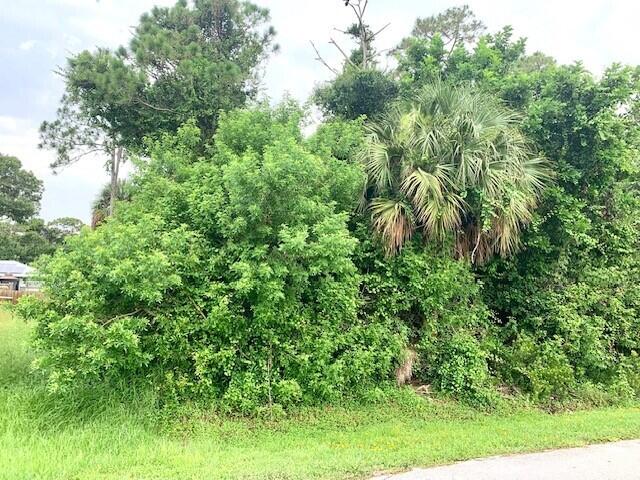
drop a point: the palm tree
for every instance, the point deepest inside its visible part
(452, 162)
(103, 204)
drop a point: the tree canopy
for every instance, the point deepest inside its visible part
(183, 62)
(452, 162)
(20, 191)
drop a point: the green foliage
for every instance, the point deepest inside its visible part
(340, 139)
(99, 291)
(568, 292)
(242, 270)
(24, 242)
(486, 62)
(585, 333)
(564, 310)
(20, 191)
(460, 367)
(356, 92)
(436, 303)
(198, 60)
(452, 161)
(22, 236)
(227, 276)
(183, 62)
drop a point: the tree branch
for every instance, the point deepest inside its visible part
(118, 317)
(77, 157)
(335, 44)
(373, 36)
(159, 109)
(364, 8)
(322, 60)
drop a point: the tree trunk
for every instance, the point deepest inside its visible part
(116, 160)
(363, 44)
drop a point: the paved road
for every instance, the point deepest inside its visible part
(612, 461)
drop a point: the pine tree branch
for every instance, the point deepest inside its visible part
(153, 107)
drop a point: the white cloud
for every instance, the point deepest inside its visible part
(27, 45)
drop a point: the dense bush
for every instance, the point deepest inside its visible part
(570, 298)
(357, 92)
(436, 301)
(585, 334)
(227, 276)
(565, 307)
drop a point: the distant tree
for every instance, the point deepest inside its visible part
(23, 237)
(357, 92)
(200, 60)
(455, 26)
(360, 87)
(26, 242)
(536, 62)
(20, 190)
(183, 62)
(60, 228)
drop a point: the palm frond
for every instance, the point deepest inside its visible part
(393, 220)
(433, 151)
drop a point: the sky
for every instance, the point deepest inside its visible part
(36, 37)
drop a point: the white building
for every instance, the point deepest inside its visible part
(16, 276)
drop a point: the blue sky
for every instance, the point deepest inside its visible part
(37, 35)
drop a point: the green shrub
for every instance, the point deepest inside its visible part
(584, 337)
(436, 302)
(229, 277)
(460, 367)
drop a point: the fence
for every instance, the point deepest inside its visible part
(12, 296)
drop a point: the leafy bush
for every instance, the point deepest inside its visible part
(589, 333)
(101, 295)
(436, 302)
(227, 277)
(460, 367)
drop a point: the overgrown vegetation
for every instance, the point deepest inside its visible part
(475, 233)
(229, 275)
(106, 433)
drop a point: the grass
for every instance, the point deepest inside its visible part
(102, 435)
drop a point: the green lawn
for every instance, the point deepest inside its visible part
(106, 437)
